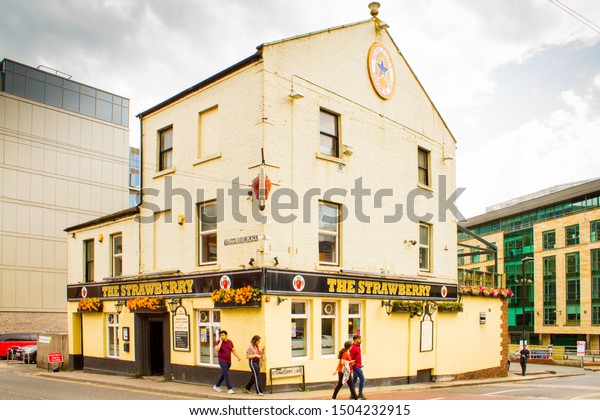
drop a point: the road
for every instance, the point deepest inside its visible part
(19, 382)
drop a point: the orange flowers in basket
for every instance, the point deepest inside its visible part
(151, 303)
(90, 304)
(240, 296)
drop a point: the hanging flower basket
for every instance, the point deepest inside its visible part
(485, 291)
(90, 305)
(243, 297)
(450, 307)
(407, 306)
(146, 304)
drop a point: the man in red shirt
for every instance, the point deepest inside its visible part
(355, 355)
(224, 348)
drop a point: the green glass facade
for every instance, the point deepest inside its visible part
(595, 262)
(572, 269)
(518, 245)
(550, 290)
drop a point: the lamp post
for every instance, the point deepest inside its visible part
(523, 281)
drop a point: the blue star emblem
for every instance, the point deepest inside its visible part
(382, 69)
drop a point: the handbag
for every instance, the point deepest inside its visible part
(345, 371)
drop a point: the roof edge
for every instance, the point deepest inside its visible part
(257, 56)
(132, 211)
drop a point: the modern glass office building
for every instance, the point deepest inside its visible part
(64, 159)
(549, 251)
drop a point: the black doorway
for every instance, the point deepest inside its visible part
(157, 354)
(152, 356)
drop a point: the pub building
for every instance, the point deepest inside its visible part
(298, 195)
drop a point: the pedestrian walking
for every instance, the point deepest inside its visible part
(255, 355)
(524, 355)
(344, 371)
(224, 348)
(358, 375)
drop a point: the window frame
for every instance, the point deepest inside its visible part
(334, 137)
(426, 247)
(88, 265)
(214, 331)
(112, 335)
(306, 317)
(358, 317)
(332, 317)
(165, 151)
(426, 169)
(576, 237)
(545, 243)
(204, 234)
(336, 235)
(595, 231)
(114, 256)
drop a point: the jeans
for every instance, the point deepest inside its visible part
(358, 374)
(224, 374)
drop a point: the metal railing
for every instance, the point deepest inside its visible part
(480, 278)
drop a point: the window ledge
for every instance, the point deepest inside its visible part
(208, 158)
(424, 187)
(425, 273)
(333, 267)
(329, 158)
(208, 266)
(164, 172)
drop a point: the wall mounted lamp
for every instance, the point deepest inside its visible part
(410, 241)
(119, 306)
(174, 303)
(280, 300)
(294, 94)
(276, 261)
(251, 262)
(388, 306)
(100, 238)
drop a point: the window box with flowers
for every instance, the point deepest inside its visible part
(485, 292)
(146, 305)
(244, 297)
(407, 306)
(89, 305)
(453, 307)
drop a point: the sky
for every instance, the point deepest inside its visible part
(516, 81)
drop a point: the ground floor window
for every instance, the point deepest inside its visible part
(328, 321)
(299, 329)
(112, 335)
(354, 319)
(209, 327)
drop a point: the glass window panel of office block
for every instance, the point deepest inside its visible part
(70, 100)
(35, 90)
(54, 95)
(103, 110)
(86, 90)
(9, 80)
(549, 239)
(71, 85)
(116, 114)
(595, 231)
(572, 235)
(87, 105)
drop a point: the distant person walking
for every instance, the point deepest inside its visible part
(344, 371)
(524, 355)
(356, 355)
(224, 348)
(255, 356)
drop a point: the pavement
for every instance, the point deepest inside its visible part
(178, 389)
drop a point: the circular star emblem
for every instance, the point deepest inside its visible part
(381, 70)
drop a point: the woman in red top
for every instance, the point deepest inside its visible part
(344, 371)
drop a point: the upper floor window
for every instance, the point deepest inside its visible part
(549, 239)
(424, 247)
(595, 231)
(165, 149)
(423, 162)
(208, 133)
(329, 127)
(328, 233)
(207, 235)
(572, 235)
(88, 259)
(116, 255)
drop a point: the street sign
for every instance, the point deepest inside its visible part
(55, 358)
(581, 348)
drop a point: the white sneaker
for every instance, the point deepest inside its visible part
(216, 388)
(230, 391)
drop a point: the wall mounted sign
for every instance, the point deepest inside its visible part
(426, 335)
(242, 240)
(381, 70)
(181, 330)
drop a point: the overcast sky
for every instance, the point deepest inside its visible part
(517, 81)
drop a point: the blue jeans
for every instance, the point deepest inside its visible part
(224, 374)
(358, 374)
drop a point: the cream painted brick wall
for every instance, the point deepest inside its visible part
(255, 111)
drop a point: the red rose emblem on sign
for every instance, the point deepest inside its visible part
(298, 283)
(444, 291)
(225, 282)
(84, 292)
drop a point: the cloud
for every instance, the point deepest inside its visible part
(559, 149)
